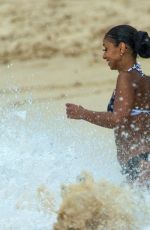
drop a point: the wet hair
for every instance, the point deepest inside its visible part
(138, 41)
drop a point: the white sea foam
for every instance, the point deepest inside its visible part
(39, 153)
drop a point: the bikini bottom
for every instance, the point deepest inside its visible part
(132, 169)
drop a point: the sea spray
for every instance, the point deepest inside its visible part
(90, 205)
(36, 158)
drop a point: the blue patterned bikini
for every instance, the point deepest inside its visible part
(132, 166)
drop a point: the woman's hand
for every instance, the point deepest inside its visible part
(74, 111)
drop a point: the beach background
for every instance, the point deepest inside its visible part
(51, 54)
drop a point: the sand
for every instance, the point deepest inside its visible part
(40, 40)
(30, 30)
(53, 49)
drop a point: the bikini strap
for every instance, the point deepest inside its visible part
(137, 67)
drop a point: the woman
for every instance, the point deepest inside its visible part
(128, 111)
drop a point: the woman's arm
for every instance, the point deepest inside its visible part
(124, 100)
(104, 119)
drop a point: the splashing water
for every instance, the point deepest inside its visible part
(41, 150)
(91, 205)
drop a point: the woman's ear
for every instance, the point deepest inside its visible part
(122, 48)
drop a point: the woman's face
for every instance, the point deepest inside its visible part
(112, 54)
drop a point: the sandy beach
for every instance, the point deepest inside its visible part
(30, 30)
(53, 50)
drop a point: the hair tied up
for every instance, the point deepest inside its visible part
(142, 44)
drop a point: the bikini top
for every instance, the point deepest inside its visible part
(110, 107)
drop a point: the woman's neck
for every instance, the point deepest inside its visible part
(126, 64)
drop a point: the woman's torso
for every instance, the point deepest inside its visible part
(133, 135)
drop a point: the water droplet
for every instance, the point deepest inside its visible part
(120, 98)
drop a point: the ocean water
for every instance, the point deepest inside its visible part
(42, 152)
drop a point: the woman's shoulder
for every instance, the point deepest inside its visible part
(133, 76)
(128, 80)
(127, 76)
(145, 81)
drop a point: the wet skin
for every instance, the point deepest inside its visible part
(132, 133)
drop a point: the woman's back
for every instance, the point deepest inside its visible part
(134, 133)
(142, 99)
